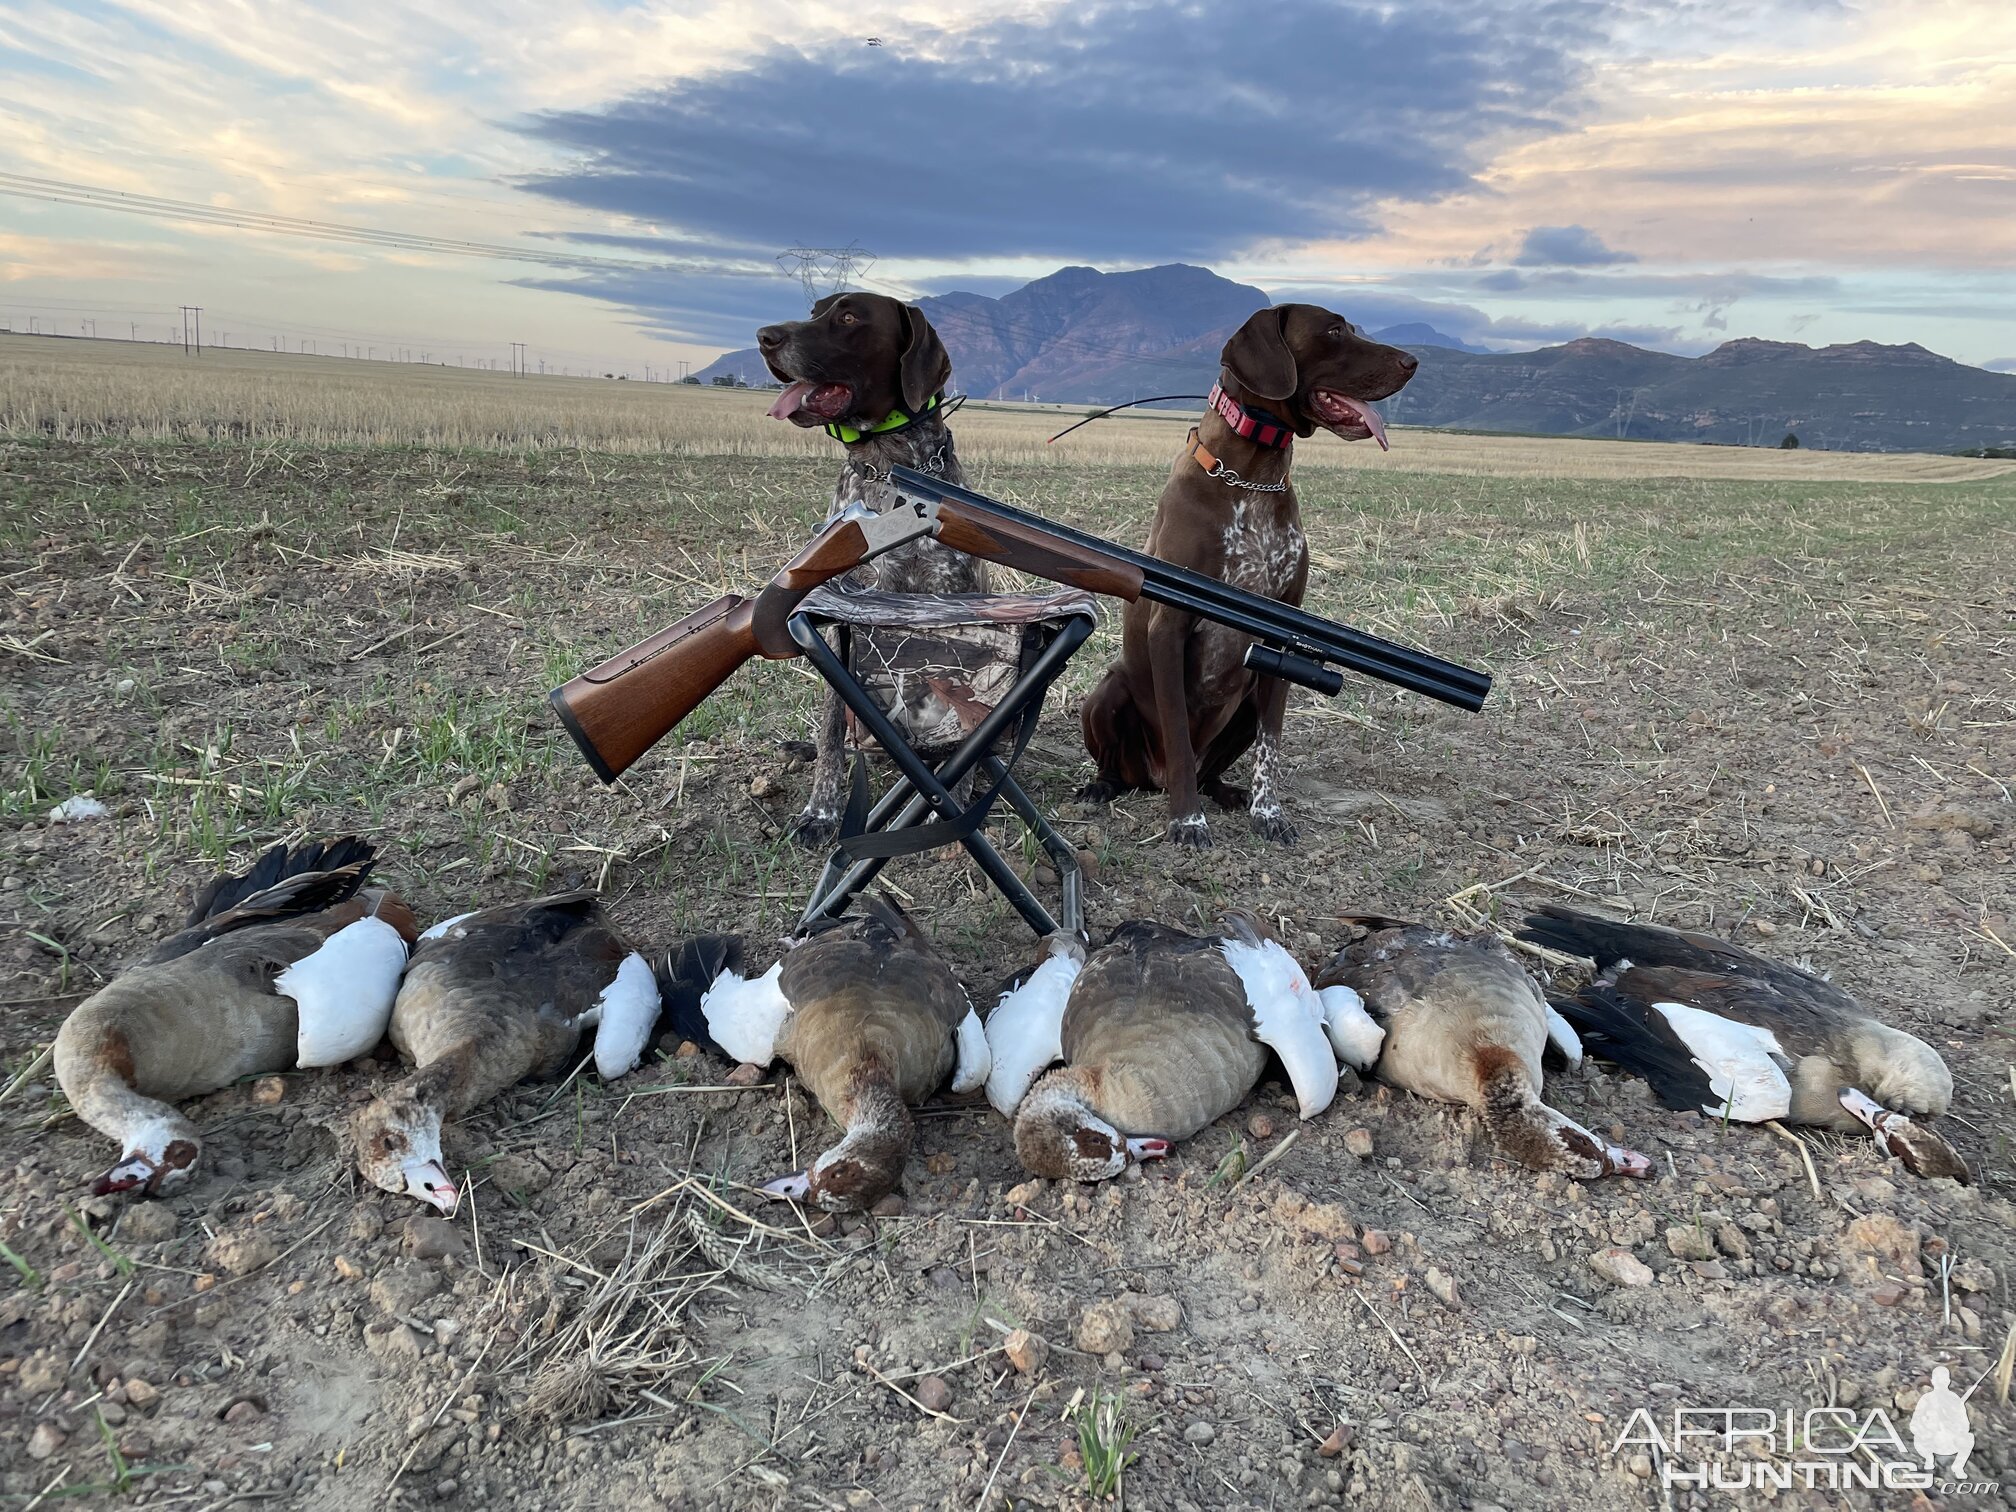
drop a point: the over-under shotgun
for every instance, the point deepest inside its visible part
(619, 710)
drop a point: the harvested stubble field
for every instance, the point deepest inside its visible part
(1782, 708)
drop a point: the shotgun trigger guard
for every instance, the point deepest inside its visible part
(910, 519)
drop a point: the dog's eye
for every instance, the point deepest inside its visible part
(848, 317)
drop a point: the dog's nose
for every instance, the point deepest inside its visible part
(771, 337)
(1409, 362)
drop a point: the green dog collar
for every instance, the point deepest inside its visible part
(896, 420)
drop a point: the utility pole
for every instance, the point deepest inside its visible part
(132, 330)
(518, 359)
(192, 321)
(683, 365)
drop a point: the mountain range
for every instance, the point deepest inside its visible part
(1080, 336)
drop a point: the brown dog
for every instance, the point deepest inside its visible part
(869, 370)
(1180, 707)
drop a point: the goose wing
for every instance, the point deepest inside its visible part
(1025, 1032)
(1614, 945)
(1693, 1059)
(1287, 1015)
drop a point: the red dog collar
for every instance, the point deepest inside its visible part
(1256, 425)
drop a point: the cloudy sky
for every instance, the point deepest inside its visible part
(1671, 172)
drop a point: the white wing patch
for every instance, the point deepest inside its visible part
(1025, 1032)
(1354, 1034)
(344, 992)
(975, 1059)
(626, 1013)
(1743, 1063)
(746, 1014)
(445, 925)
(1561, 1034)
(1287, 1019)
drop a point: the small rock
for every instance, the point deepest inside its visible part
(45, 1441)
(498, 797)
(1359, 1142)
(426, 1237)
(389, 1339)
(1886, 1245)
(1732, 1241)
(1620, 1267)
(268, 1090)
(1890, 1294)
(1199, 1432)
(521, 1174)
(746, 1075)
(1709, 1270)
(764, 785)
(1260, 1124)
(348, 1269)
(934, 1393)
(1024, 1194)
(1764, 927)
(1162, 1314)
(1377, 1242)
(890, 1206)
(403, 1286)
(1689, 1241)
(464, 786)
(149, 1223)
(244, 1410)
(140, 1393)
(1972, 1275)
(1444, 1287)
(1340, 1439)
(242, 1254)
(1104, 1328)
(1025, 1351)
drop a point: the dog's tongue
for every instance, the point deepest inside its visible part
(793, 396)
(1366, 416)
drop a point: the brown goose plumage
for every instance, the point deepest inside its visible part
(490, 999)
(1465, 1024)
(220, 999)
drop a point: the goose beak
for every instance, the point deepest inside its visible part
(1618, 1161)
(793, 1188)
(134, 1171)
(1147, 1149)
(427, 1182)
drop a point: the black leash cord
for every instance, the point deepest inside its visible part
(1158, 399)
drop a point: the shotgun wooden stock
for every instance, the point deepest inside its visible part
(619, 710)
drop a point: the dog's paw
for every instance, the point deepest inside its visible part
(1098, 791)
(1226, 796)
(1273, 825)
(1190, 831)
(815, 830)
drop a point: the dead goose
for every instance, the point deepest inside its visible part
(1160, 1032)
(868, 1015)
(1715, 1028)
(1465, 1024)
(291, 963)
(492, 998)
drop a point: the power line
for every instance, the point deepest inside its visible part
(90, 196)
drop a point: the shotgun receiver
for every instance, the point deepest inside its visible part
(619, 710)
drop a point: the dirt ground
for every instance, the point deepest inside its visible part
(1784, 711)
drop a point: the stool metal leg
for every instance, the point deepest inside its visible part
(1070, 876)
(908, 801)
(920, 776)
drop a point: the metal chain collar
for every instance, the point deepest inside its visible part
(1231, 479)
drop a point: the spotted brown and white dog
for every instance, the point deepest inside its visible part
(1180, 706)
(871, 372)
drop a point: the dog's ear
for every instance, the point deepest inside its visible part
(926, 366)
(1259, 357)
(821, 306)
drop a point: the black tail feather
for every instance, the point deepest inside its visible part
(227, 891)
(685, 972)
(1626, 1033)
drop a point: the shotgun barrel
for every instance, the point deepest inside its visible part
(1283, 627)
